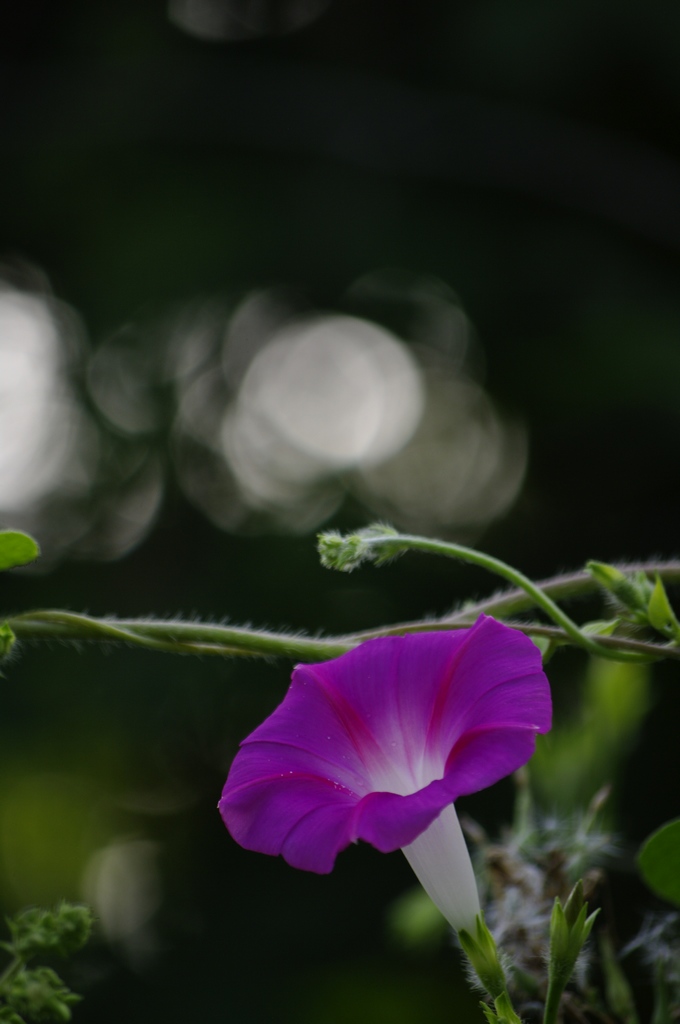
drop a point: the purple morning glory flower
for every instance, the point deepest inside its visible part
(378, 743)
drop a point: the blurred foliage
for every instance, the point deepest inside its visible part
(16, 549)
(658, 860)
(38, 993)
(579, 757)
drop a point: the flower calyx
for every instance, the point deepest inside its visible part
(482, 954)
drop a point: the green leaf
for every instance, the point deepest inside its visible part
(16, 549)
(659, 858)
(600, 627)
(7, 639)
(661, 614)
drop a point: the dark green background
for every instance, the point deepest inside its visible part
(527, 154)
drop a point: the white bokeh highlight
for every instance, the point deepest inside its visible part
(322, 397)
(44, 441)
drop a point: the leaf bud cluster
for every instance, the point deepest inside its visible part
(646, 603)
(38, 994)
(36, 931)
(375, 543)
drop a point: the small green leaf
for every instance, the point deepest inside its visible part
(600, 627)
(7, 639)
(490, 1016)
(16, 549)
(661, 614)
(545, 645)
(505, 1011)
(574, 905)
(659, 860)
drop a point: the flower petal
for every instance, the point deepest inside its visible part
(483, 756)
(272, 788)
(497, 677)
(375, 744)
(322, 729)
(314, 843)
(389, 821)
(441, 861)
(383, 693)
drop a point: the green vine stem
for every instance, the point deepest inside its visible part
(201, 638)
(381, 543)
(176, 636)
(564, 587)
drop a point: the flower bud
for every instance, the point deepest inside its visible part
(633, 591)
(569, 929)
(374, 543)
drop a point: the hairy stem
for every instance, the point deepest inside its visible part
(569, 585)
(204, 638)
(552, 1004)
(174, 636)
(200, 638)
(387, 544)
